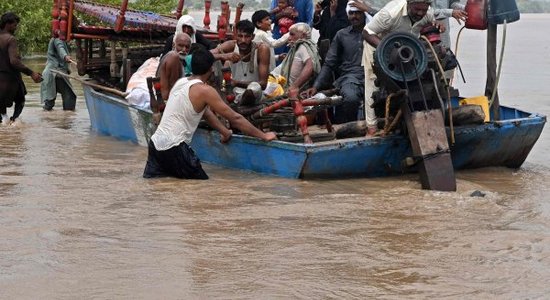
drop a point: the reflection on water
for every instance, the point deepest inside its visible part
(78, 221)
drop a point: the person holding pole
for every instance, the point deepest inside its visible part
(58, 59)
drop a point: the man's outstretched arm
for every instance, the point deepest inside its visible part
(213, 121)
(212, 99)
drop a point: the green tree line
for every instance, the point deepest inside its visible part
(34, 29)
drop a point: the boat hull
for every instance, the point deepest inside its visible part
(502, 143)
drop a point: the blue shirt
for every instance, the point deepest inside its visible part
(305, 14)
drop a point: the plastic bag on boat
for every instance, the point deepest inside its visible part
(319, 96)
(274, 86)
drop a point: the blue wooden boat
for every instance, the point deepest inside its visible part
(498, 143)
(506, 142)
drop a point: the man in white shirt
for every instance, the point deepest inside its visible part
(302, 63)
(398, 15)
(262, 21)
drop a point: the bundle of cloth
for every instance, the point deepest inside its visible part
(138, 93)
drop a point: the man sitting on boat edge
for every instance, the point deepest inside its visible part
(190, 100)
(173, 65)
(254, 63)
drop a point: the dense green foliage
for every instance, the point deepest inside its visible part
(34, 30)
(158, 6)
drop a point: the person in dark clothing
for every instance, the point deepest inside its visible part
(329, 17)
(344, 60)
(12, 88)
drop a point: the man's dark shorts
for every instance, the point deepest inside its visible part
(179, 161)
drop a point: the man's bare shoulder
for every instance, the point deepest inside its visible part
(202, 88)
(263, 47)
(263, 51)
(203, 94)
(229, 42)
(7, 38)
(170, 57)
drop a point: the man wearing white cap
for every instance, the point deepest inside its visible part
(344, 59)
(398, 15)
(186, 24)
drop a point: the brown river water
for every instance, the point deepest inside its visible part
(77, 221)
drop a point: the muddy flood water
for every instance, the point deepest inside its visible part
(77, 220)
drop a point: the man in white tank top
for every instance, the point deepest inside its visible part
(190, 100)
(254, 62)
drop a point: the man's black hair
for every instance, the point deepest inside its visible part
(258, 16)
(245, 26)
(8, 18)
(201, 61)
(196, 46)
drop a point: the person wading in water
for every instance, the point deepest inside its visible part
(12, 88)
(191, 100)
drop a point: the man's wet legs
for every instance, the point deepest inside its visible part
(67, 94)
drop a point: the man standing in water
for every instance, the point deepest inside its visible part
(58, 59)
(12, 88)
(190, 100)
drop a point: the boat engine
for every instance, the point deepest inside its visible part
(414, 84)
(404, 62)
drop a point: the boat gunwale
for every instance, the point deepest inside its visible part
(533, 118)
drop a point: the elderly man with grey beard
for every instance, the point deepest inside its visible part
(301, 65)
